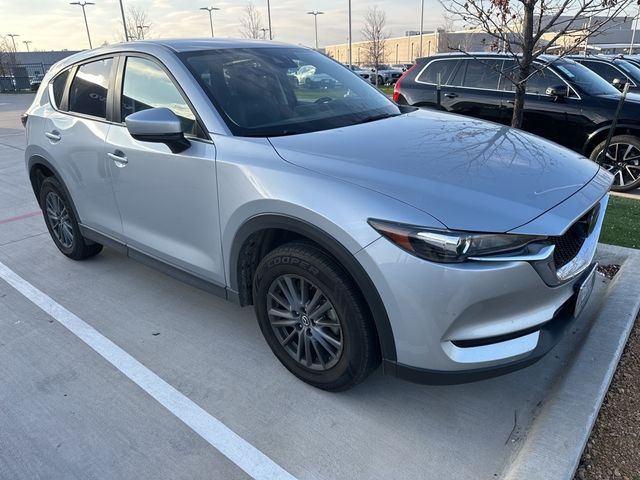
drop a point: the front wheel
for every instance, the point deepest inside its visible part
(313, 317)
(622, 160)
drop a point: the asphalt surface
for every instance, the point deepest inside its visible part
(75, 340)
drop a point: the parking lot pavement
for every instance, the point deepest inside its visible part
(69, 412)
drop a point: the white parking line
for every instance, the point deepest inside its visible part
(243, 454)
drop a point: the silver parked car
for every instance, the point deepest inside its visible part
(447, 248)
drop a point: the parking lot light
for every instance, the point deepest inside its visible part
(315, 14)
(83, 4)
(210, 10)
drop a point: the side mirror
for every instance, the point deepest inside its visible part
(559, 91)
(619, 83)
(158, 125)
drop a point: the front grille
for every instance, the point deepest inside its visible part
(569, 244)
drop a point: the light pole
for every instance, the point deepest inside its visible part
(350, 39)
(83, 4)
(210, 10)
(26, 43)
(269, 19)
(421, 23)
(140, 29)
(124, 22)
(315, 14)
(633, 33)
(13, 39)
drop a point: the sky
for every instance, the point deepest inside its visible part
(54, 24)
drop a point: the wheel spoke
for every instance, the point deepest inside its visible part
(292, 291)
(328, 338)
(307, 350)
(314, 300)
(330, 350)
(285, 292)
(633, 177)
(282, 313)
(318, 312)
(314, 343)
(619, 174)
(290, 337)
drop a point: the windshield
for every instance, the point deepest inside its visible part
(586, 80)
(283, 91)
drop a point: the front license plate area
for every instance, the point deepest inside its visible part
(585, 288)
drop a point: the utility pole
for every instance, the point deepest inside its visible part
(13, 39)
(26, 43)
(210, 10)
(83, 4)
(350, 39)
(269, 19)
(634, 25)
(315, 14)
(124, 22)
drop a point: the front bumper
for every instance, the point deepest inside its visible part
(455, 323)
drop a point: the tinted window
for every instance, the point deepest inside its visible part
(58, 87)
(444, 68)
(482, 74)
(630, 69)
(585, 79)
(271, 91)
(541, 80)
(146, 85)
(88, 93)
(606, 71)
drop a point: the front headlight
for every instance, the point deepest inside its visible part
(447, 246)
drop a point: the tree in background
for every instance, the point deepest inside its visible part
(7, 61)
(375, 34)
(251, 22)
(138, 23)
(527, 29)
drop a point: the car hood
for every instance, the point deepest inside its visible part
(469, 174)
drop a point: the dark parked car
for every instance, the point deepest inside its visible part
(566, 102)
(616, 70)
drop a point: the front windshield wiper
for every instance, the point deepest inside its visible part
(381, 116)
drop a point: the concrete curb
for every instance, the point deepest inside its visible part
(626, 195)
(554, 444)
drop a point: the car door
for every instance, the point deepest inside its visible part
(168, 201)
(77, 131)
(474, 90)
(607, 71)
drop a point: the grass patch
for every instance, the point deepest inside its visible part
(386, 89)
(622, 223)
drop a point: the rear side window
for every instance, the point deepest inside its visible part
(89, 89)
(483, 74)
(445, 68)
(58, 88)
(146, 85)
(606, 71)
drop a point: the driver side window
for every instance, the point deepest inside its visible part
(146, 85)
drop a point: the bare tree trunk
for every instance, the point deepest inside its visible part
(525, 63)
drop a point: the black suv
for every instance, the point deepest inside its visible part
(566, 102)
(615, 70)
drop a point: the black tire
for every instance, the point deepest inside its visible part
(71, 243)
(628, 166)
(359, 353)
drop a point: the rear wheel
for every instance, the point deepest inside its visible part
(622, 160)
(313, 317)
(62, 223)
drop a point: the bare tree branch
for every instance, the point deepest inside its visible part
(138, 23)
(376, 36)
(251, 22)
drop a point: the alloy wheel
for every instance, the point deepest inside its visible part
(623, 162)
(305, 322)
(59, 219)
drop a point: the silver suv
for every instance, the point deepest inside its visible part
(447, 248)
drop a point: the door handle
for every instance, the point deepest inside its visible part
(119, 158)
(511, 102)
(54, 136)
(451, 95)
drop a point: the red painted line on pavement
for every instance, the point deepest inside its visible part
(20, 217)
